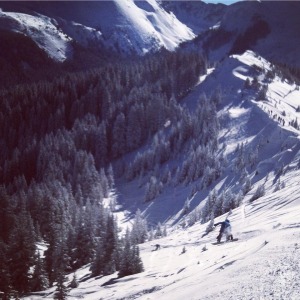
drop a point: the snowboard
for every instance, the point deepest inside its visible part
(223, 242)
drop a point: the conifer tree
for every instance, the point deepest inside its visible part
(61, 290)
(130, 262)
(139, 229)
(85, 240)
(98, 264)
(158, 232)
(21, 251)
(39, 279)
(5, 280)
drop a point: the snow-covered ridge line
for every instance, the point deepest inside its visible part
(42, 30)
(123, 26)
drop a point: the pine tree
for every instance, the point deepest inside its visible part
(137, 264)
(110, 177)
(158, 232)
(56, 255)
(210, 225)
(98, 264)
(153, 189)
(229, 201)
(119, 136)
(209, 206)
(259, 192)
(21, 251)
(61, 290)
(39, 279)
(85, 241)
(134, 128)
(5, 280)
(139, 229)
(101, 145)
(7, 215)
(106, 257)
(130, 262)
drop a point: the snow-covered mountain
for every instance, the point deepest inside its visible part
(43, 30)
(268, 28)
(259, 140)
(141, 27)
(123, 26)
(264, 262)
(197, 15)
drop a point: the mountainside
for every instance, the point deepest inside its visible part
(258, 115)
(141, 27)
(260, 139)
(105, 29)
(123, 26)
(268, 28)
(264, 262)
(128, 129)
(197, 15)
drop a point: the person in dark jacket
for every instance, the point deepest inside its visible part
(225, 229)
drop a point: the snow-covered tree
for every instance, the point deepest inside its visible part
(139, 231)
(39, 280)
(209, 206)
(210, 225)
(61, 290)
(247, 185)
(153, 189)
(130, 258)
(119, 136)
(259, 192)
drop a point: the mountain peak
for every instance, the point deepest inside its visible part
(123, 26)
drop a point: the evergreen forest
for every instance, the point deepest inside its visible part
(65, 141)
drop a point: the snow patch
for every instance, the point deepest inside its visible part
(43, 30)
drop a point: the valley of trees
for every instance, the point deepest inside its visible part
(63, 143)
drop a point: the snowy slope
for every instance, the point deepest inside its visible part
(270, 28)
(124, 26)
(150, 27)
(131, 27)
(264, 262)
(197, 15)
(252, 119)
(43, 30)
(263, 126)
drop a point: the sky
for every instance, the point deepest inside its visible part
(227, 2)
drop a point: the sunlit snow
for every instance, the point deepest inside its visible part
(42, 30)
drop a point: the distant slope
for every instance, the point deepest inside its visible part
(123, 26)
(197, 15)
(269, 28)
(262, 116)
(106, 28)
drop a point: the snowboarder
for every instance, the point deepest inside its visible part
(225, 229)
